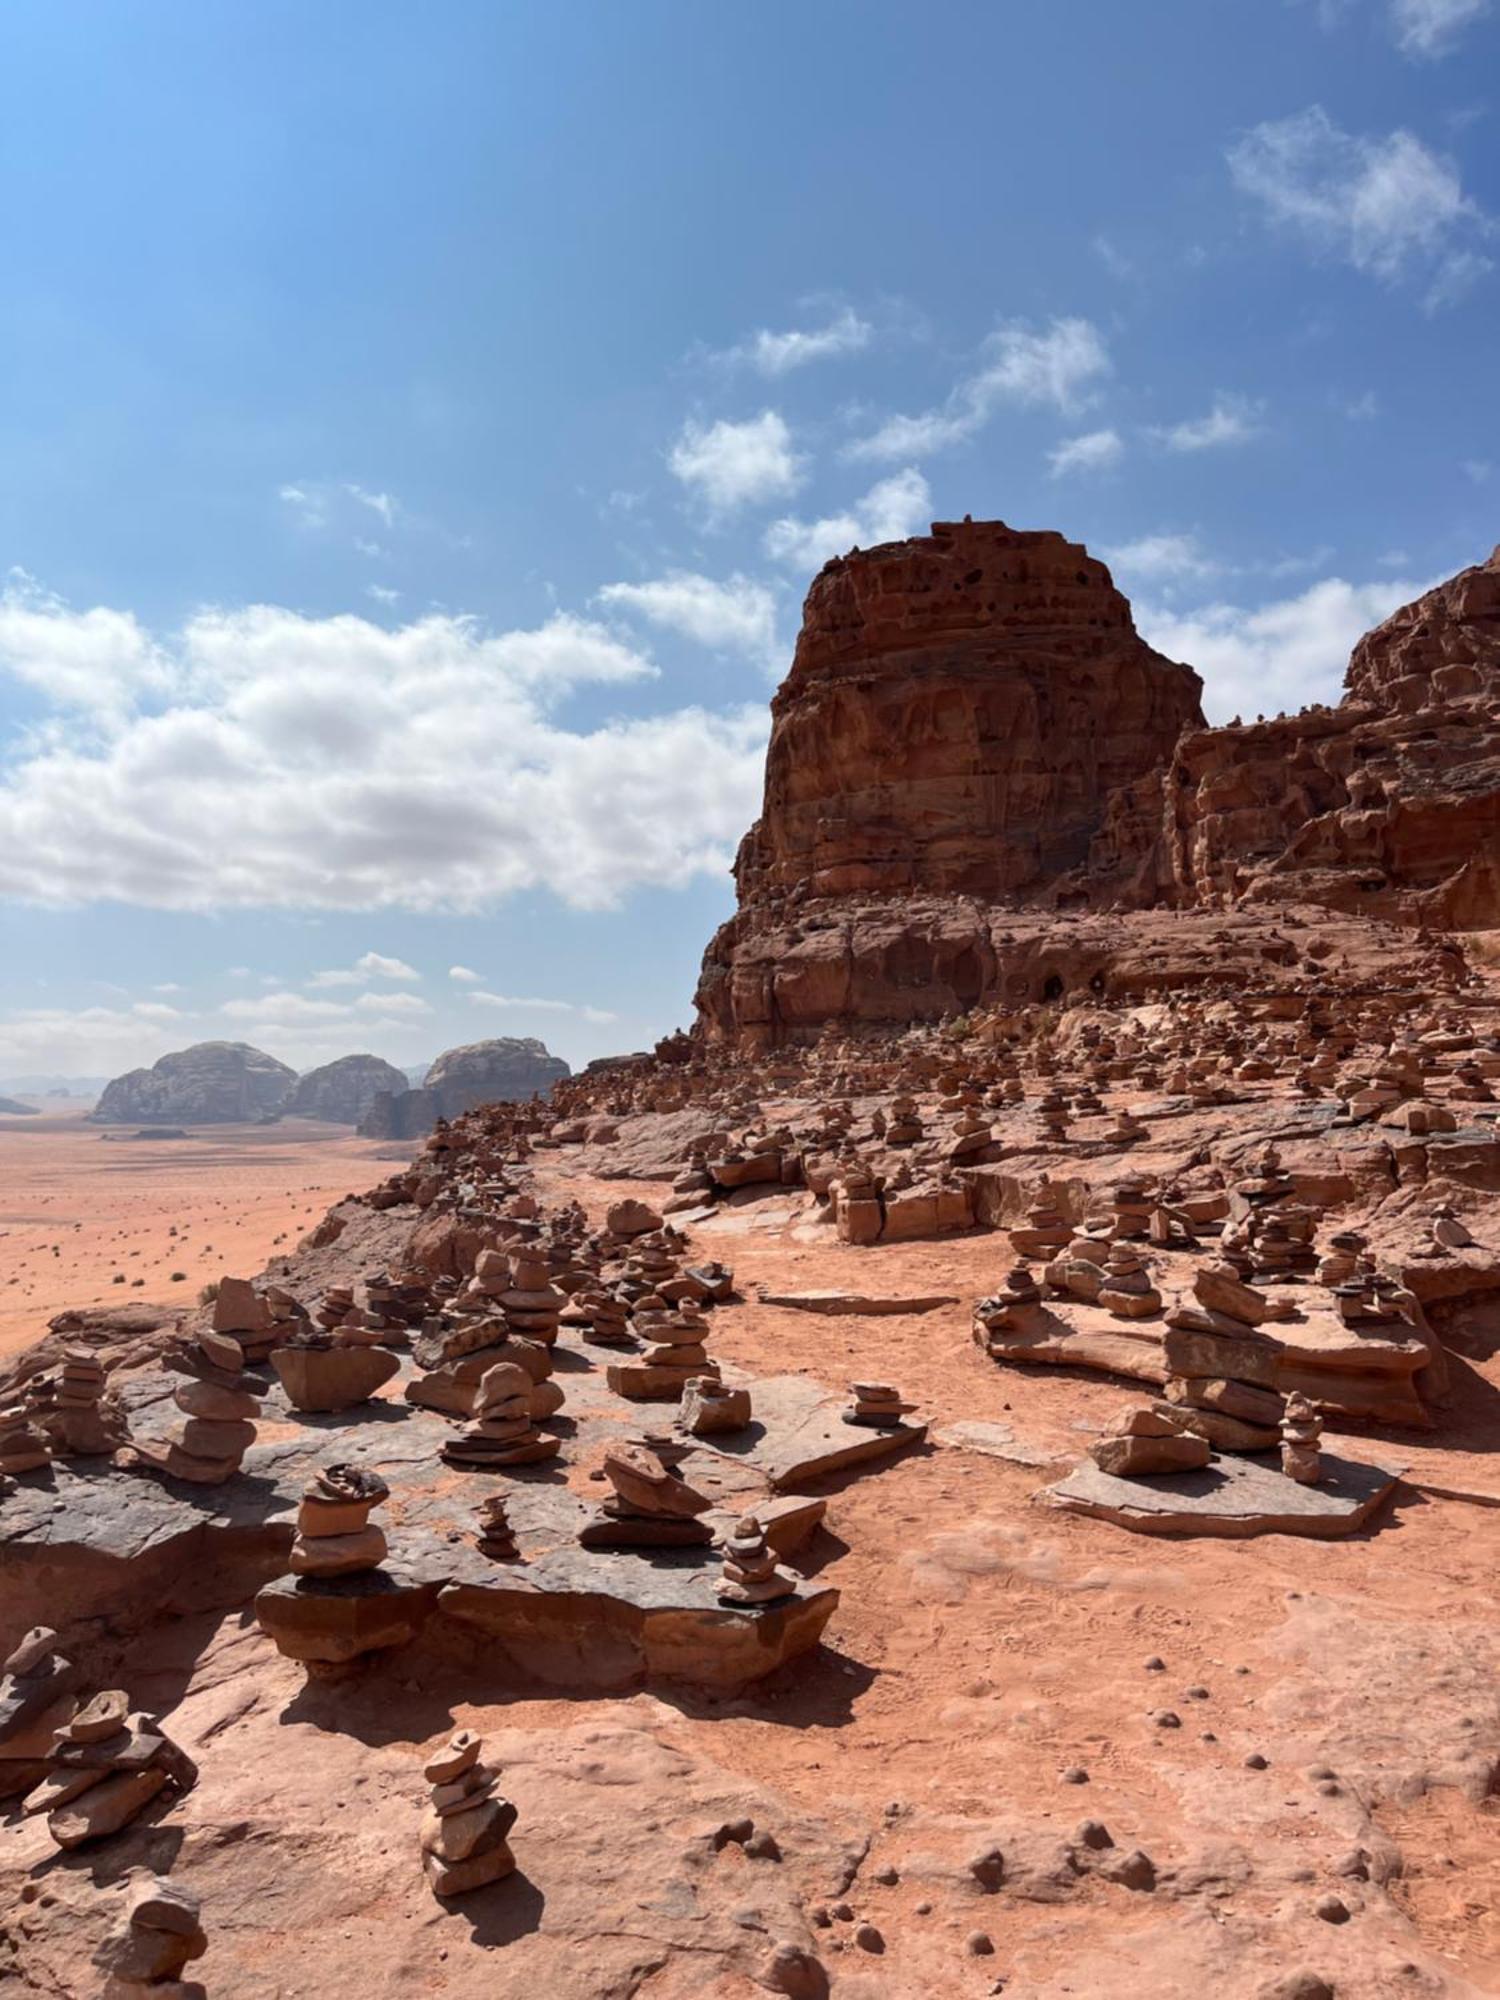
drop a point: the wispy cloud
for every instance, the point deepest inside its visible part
(1095, 451)
(891, 510)
(733, 465)
(1388, 206)
(1057, 366)
(598, 1015)
(464, 976)
(373, 965)
(1156, 557)
(383, 504)
(1232, 420)
(1433, 27)
(779, 353)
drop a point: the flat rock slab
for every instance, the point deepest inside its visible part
(797, 1434)
(1230, 1498)
(995, 1441)
(859, 1303)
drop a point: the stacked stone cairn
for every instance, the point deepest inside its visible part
(1143, 1441)
(83, 1426)
(751, 1575)
(23, 1448)
(1127, 1291)
(37, 1696)
(494, 1537)
(876, 1406)
(464, 1833)
(1301, 1434)
(1015, 1308)
(241, 1313)
(531, 1302)
(709, 1406)
(606, 1315)
(502, 1433)
(335, 1535)
(651, 1507)
(673, 1355)
(1046, 1230)
(105, 1767)
(159, 1933)
(220, 1406)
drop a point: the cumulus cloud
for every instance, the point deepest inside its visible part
(598, 1015)
(1095, 451)
(891, 510)
(729, 465)
(1279, 656)
(285, 1007)
(403, 1006)
(97, 662)
(1232, 420)
(1155, 557)
(1388, 206)
(464, 975)
(1057, 367)
(382, 504)
(373, 965)
(779, 353)
(260, 758)
(736, 616)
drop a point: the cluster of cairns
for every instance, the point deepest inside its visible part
(219, 1405)
(106, 1763)
(335, 1535)
(465, 1830)
(158, 1935)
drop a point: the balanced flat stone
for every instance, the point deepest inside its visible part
(860, 1303)
(1230, 1498)
(798, 1434)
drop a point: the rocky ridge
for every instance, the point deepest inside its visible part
(211, 1083)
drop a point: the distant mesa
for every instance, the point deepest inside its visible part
(513, 1068)
(10, 1107)
(340, 1093)
(212, 1083)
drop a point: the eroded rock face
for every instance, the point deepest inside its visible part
(1387, 805)
(342, 1092)
(959, 707)
(508, 1069)
(212, 1083)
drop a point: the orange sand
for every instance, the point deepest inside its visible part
(82, 1203)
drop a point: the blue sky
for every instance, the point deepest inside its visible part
(418, 428)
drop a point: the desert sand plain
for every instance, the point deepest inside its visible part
(92, 1215)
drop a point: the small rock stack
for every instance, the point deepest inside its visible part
(220, 1409)
(650, 1507)
(106, 1766)
(242, 1314)
(335, 1535)
(606, 1316)
(1127, 1291)
(1144, 1441)
(158, 1935)
(709, 1405)
(502, 1432)
(495, 1537)
(80, 1426)
(532, 1303)
(672, 1356)
(1301, 1434)
(37, 1696)
(464, 1835)
(1045, 1232)
(751, 1575)
(23, 1448)
(876, 1405)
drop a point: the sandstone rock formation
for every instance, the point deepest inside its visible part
(972, 730)
(1386, 806)
(342, 1092)
(508, 1069)
(211, 1083)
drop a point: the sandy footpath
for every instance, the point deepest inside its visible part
(90, 1215)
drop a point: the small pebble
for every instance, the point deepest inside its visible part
(979, 1944)
(842, 1911)
(1197, 1694)
(1255, 1761)
(1166, 1718)
(924, 1908)
(1332, 1909)
(1092, 1833)
(868, 1938)
(887, 1875)
(1156, 1664)
(1075, 1775)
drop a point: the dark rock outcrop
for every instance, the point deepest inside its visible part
(342, 1092)
(11, 1107)
(510, 1068)
(212, 1083)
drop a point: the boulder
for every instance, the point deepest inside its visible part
(212, 1083)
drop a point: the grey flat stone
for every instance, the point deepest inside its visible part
(995, 1441)
(1230, 1498)
(861, 1304)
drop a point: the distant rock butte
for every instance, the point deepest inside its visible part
(508, 1068)
(342, 1092)
(972, 731)
(11, 1107)
(212, 1083)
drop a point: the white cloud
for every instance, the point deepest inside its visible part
(464, 976)
(598, 1015)
(100, 662)
(891, 510)
(1389, 207)
(402, 1005)
(736, 616)
(731, 465)
(1056, 367)
(331, 763)
(1158, 557)
(1232, 420)
(167, 986)
(372, 965)
(779, 353)
(382, 593)
(1281, 656)
(382, 504)
(1431, 27)
(156, 1010)
(286, 1008)
(1095, 451)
